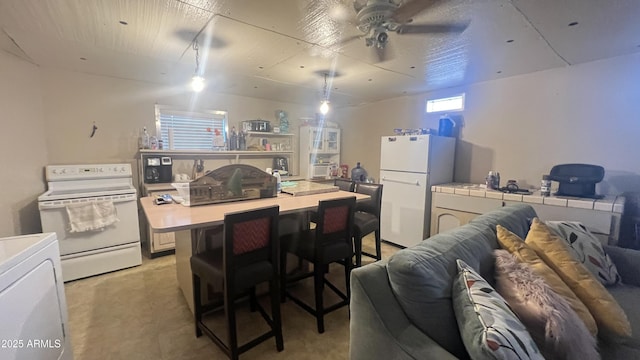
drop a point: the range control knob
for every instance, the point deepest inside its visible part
(123, 169)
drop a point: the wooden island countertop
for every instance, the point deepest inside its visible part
(176, 217)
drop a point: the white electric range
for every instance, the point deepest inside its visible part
(87, 253)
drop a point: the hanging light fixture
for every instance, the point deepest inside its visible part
(197, 81)
(324, 104)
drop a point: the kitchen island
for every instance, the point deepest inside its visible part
(455, 204)
(190, 223)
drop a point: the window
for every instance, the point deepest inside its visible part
(454, 103)
(191, 130)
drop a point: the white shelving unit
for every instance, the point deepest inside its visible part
(318, 145)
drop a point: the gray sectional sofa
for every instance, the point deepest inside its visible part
(401, 308)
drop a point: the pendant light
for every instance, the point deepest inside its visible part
(197, 81)
(324, 104)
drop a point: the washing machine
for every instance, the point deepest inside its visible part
(33, 307)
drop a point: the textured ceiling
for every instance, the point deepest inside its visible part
(279, 49)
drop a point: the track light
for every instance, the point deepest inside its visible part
(324, 107)
(324, 104)
(197, 81)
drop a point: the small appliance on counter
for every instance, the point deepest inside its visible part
(256, 125)
(157, 169)
(281, 164)
(227, 183)
(577, 180)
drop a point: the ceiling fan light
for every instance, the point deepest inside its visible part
(324, 107)
(197, 83)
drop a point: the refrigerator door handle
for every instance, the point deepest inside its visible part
(416, 183)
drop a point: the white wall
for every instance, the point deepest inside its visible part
(23, 150)
(120, 108)
(523, 125)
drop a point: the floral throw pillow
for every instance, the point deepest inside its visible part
(488, 326)
(586, 248)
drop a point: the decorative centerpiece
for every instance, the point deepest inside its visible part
(228, 183)
(282, 116)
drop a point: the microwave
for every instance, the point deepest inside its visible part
(320, 170)
(323, 170)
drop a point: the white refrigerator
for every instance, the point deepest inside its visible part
(409, 166)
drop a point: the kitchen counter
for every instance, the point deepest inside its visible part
(455, 204)
(610, 203)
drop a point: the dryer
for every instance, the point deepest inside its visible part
(33, 306)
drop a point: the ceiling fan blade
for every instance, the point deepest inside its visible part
(411, 8)
(347, 40)
(432, 28)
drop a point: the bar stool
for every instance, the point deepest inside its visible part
(247, 258)
(329, 242)
(344, 184)
(367, 220)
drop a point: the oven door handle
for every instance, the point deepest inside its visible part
(58, 204)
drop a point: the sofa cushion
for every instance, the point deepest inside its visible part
(627, 297)
(586, 248)
(517, 218)
(553, 325)
(515, 245)
(489, 328)
(421, 276)
(611, 319)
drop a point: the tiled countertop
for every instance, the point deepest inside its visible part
(611, 203)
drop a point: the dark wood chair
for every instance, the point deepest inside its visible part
(367, 220)
(247, 258)
(344, 184)
(329, 242)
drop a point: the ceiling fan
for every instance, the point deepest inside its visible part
(376, 18)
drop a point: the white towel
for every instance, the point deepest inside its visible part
(91, 215)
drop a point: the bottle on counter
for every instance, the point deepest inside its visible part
(493, 180)
(233, 139)
(242, 141)
(144, 139)
(276, 173)
(545, 186)
(153, 143)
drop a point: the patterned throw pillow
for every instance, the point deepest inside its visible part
(489, 329)
(586, 248)
(554, 326)
(610, 317)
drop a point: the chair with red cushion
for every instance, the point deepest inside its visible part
(247, 258)
(329, 242)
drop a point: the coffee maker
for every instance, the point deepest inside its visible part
(281, 164)
(157, 169)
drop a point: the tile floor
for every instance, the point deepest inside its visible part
(140, 313)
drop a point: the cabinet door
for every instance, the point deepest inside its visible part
(316, 139)
(446, 219)
(163, 241)
(332, 140)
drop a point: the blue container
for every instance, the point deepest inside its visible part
(445, 127)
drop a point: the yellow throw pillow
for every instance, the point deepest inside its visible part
(611, 319)
(516, 246)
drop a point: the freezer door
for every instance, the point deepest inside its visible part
(402, 218)
(404, 153)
